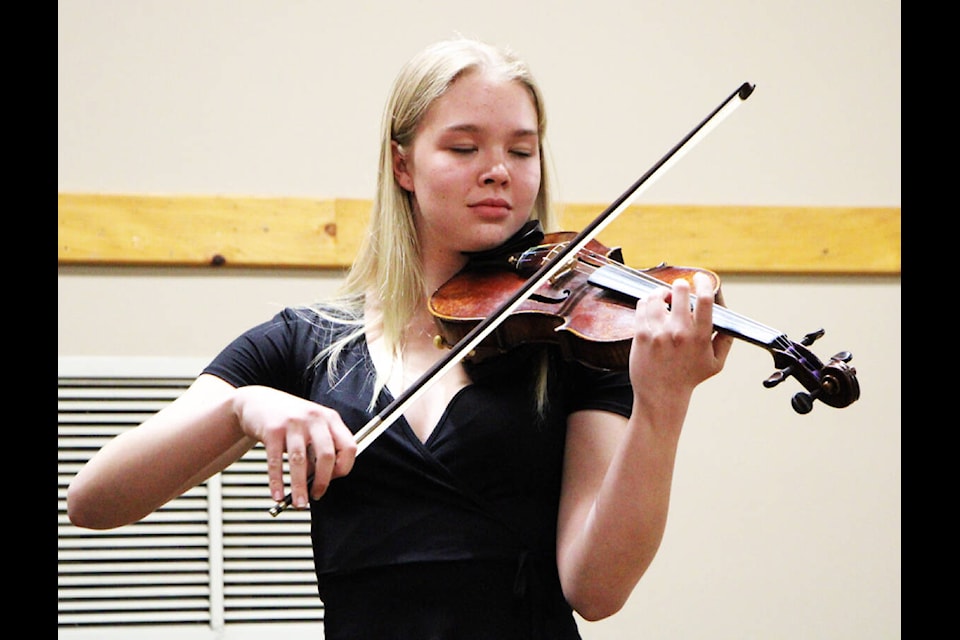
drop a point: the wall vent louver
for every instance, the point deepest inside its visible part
(210, 561)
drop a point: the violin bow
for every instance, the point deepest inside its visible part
(385, 418)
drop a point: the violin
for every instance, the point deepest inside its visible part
(587, 309)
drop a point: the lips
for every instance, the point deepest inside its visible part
(492, 202)
(491, 206)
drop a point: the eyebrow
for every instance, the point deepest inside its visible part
(472, 128)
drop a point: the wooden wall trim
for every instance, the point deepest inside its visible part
(235, 231)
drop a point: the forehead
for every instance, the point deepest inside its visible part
(484, 100)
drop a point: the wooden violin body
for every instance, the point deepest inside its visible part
(590, 324)
(587, 310)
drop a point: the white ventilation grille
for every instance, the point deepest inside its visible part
(212, 557)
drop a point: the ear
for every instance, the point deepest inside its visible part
(400, 169)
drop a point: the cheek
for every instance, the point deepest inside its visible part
(530, 182)
(439, 181)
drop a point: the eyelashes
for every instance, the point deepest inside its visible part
(520, 153)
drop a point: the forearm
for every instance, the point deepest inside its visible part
(611, 542)
(144, 468)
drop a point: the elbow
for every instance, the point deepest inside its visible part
(599, 594)
(86, 512)
(596, 596)
(597, 608)
(593, 600)
(77, 512)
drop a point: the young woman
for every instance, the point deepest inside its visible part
(516, 489)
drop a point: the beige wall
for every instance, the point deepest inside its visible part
(782, 525)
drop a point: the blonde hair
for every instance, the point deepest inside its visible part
(388, 263)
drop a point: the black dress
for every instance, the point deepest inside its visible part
(453, 538)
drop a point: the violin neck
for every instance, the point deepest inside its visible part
(637, 285)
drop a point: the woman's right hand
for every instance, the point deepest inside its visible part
(314, 438)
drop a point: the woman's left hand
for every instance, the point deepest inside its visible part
(675, 346)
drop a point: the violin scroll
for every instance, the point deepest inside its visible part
(834, 383)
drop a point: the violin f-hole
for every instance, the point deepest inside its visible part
(539, 297)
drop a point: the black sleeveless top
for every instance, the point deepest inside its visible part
(452, 538)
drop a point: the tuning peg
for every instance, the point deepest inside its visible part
(777, 377)
(812, 337)
(802, 402)
(843, 356)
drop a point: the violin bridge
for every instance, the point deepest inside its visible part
(562, 273)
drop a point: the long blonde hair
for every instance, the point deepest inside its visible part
(388, 263)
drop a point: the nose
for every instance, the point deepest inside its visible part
(495, 173)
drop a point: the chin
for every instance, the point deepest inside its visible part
(484, 235)
(485, 242)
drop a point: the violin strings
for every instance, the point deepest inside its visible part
(725, 317)
(728, 319)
